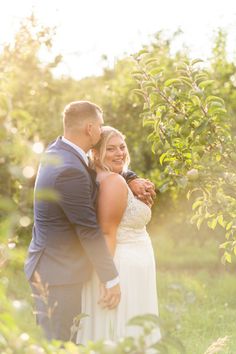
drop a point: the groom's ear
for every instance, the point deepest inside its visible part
(88, 128)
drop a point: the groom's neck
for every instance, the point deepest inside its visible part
(79, 141)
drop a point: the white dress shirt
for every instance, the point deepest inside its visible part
(115, 281)
(77, 148)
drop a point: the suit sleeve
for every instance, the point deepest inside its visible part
(76, 202)
(129, 176)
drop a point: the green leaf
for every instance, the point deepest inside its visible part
(137, 72)
(196, 204)
(138, 77)
(194, 218)
(212, 224)
(143, 51)
(224, 244)
(182, 66)
(187, 79)
(139, 92)
(196, 61)
(162, 158)
(223, 259)
(156, 71)
(154, 98)
(196, 100)
(219, 111)
(188, 155)
(229, 225)
(154, 147)
(148, 122)
(151, 60)
(149, 84)
(228, 257)
(221, 220)
(192, 191)
(199, 222)
(228, 234)
(200, 78)
(218, 157)
(186, 82)
(215, 104)
(171, 82)
(205, 83)
(151, 136)
(215, 98)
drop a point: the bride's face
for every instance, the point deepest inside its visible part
(116, 153)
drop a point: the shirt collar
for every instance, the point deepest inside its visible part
(77, 148)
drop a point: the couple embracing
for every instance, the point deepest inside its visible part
(90, 249)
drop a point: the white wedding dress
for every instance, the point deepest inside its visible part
(135, 262)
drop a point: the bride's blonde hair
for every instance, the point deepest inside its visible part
(99, 150)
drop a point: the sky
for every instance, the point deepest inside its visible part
(87, 29)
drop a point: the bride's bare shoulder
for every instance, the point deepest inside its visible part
(101, 176)
(105, 178)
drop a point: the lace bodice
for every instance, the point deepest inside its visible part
(133, 224)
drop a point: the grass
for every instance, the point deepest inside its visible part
(196, 292)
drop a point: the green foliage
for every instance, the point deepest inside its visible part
(29, 104)
(186, 141)
(192, 136)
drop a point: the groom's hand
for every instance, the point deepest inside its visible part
(144, 190)
(109, 298)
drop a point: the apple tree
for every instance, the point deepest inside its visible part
(192, 137)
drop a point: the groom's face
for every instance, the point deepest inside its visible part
(96, 129)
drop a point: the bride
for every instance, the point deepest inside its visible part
(123, 219)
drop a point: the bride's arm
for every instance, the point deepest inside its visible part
(112, 201)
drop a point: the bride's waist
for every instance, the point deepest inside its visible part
(126, 234)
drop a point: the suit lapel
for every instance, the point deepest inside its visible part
(60, 144)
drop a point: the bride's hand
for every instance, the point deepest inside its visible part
(144, 190)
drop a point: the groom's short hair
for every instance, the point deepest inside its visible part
(79, 111)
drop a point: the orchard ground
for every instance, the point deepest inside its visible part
(196, 291)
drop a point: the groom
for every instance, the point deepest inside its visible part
(67, 241)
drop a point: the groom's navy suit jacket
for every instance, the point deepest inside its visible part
(67, 240)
